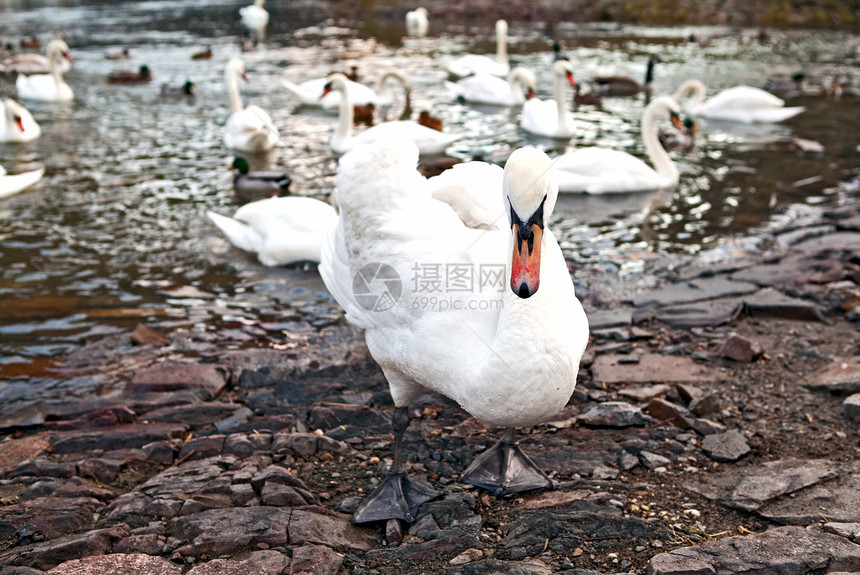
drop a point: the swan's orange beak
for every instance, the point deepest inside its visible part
(19, 122)
(676, 121)
(525, 262)
(67, 57)
(530, 94)
(570, 79)
(326, 90)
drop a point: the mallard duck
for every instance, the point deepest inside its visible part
(143, 74)
(250, 186)
(118, 55)
(624, 85)
(186, 89)
(363, 114)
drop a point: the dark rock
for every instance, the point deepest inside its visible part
(705, 313)
(614, 414)
(697, 290)
(728, 446)
(669, 412)
(177, 376)
(704, 426)
(148, 543)
(231, 530)
(327, 528)
(277, 475)
(102, 470)
(143, 335)
(851, 406)
(653, 460)
(306, 444)
(131, 564)
(707, 404)
(284, 496)
(848, 530)
(49, 554)
(28, 415)
(118, 437)
(194, 416)
(316, 559)
(841, 376)
(779, 550)
(104, 417)
(268, 562)
(202, 447)
(235, 420)
(43, 468)
(52, 517)
(162, 452)
(605, 319)
(740, 348)
(14, 452)
(497, 567)
(772, 303)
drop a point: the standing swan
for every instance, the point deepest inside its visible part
(604, 171)
(48, 87)
(17, 123)
(473, 63)
(744, 104)
(248, 129)
(508, 353)
(254, 16)
(550, 118)
(483, 88)
(417, 23)
(428, 140)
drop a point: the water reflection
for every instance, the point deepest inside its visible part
(116, 233)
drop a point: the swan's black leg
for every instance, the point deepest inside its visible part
(397, 496)
(504, 469)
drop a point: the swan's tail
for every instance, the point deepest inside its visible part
(11, 185)
(238, 233)
(774, 115)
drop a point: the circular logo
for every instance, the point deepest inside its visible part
(376, 286)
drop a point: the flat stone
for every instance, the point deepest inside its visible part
(328, 528)
(28, 415)
(194, 416)
(752, 487)
(202, 447)
(175, 376)
(14, 452)
(696, 290)
(118, 437)
(652, 368)
(645, 393)
(283, 496)
(841, 376)
(728, 446)
(306, 444)
(848, 530)
(780, 550)
(740, 348)
(498, 567)
(614, 414)
(653, 460)
(262, 562)
(101, 417)
(837, 499)
(316, 559)
(700, 314)
(230, 530)
(769, 302)
(851, 406)
(127, 564)
(606, 319)
(669, 412)
(49, 554)
(143, 335)
(52, 517)
(704, 426)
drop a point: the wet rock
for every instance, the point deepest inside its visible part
(268, 562)
(752, 487)
(137, 564)
(195, 415)
(28, 415)
(779, 550)
(316, 560)
(177, 376)
(651, 368)
(841, 376)
(143, 335)
(697, 290)
(728, 446)
(118, 437)
(614, 414)
(740, 348)
(851, 406)
(705, 313)
(57, 551)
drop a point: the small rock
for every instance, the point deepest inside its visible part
(653, 460)
(807, 146)
(467, 556)
(316, 559)
(740, 348)
(847, 530)
(604, 472)
(24, 416)
(669, 412)
(143, 335)
(614, 414)
(709, 403)
(851, 406)
(728, 446)
(393, 532)
(841, 376)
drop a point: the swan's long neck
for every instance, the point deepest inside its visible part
(516, 81)
(658, 155)
(695, 89)
(345, 116)
(502, 46)
(564, 122)
(54, 65)
(232, 81)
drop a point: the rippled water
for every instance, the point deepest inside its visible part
(116, 234)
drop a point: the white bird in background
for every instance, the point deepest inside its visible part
(280, 230)
(483, 88)
(254, 16)
(17, 123)
(248, 129)
(48, 87)
(744, 104)
(474, 63)
(428, 140)
(11, 184)
(597, 170)
(508, 353)
(417, 22)
(309, 92)
(551, 118)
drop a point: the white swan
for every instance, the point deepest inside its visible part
(551, 118)
(309, 92)
(17, 123)
(744, 104)
(506, 348)
(605, 171)
(483, 88)
(417, 22)
(473, 63)
(428, 140)
(12, 184)
(248, 129)
(254, 16)
(280, 230)
(30, 63)
(47, 87)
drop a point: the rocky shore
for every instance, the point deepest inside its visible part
(715, 429)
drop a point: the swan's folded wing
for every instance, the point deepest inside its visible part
(238, 233)
(11, 185)
(474, 191)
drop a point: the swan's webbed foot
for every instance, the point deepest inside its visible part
(505, 469)
(398, 496)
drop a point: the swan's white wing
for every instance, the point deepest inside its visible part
(11, 185)
(473, 190)
(238, 233)
(746, 104)
(428, 140)
(474, 63)
(602, 170)
(540, 117)
(251, 130)
(484, 88)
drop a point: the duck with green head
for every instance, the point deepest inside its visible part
(258, 184)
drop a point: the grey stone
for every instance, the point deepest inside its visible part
(848, 530)
(706, 404)
(52, 517)
(837, 499)
(202, 447)
(328, 528)
(772, 303)
(667, 411)
(306, 444)
(180, 376)
(28, 415)
(127, 564)
(780, 550)
(49, 554)
(840, 376)
(118, 437)
(645, 393)
(316, 559)
(614, 414)
(651, 368)
(605, 319)
(728, 446)
(693, 291)
(705, 313)
(604, 472)
(704, 426)
(282, 496)
(230, 530)
(194, 415)
(653, 460)
(851, 406)
(267, 562)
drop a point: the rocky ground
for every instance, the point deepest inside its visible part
(715, 429)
